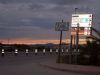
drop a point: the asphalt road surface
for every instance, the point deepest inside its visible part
(28, 65)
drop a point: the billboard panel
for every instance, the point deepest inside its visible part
(87, 31)
(84, 20)
(82, 31)
(62, 26)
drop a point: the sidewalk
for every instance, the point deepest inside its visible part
(92, 70)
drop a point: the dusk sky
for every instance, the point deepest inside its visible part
(35, 19)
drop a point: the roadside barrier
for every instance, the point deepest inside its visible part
(36, 51)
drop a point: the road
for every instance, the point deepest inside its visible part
(28, 65)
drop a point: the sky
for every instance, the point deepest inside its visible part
(35, 19)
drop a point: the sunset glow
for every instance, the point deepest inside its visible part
(31, 41)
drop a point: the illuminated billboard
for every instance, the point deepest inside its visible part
(82, 31)
(84, 20)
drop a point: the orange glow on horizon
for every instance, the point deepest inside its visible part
(30, 41)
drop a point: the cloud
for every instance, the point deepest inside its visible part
(32, 18)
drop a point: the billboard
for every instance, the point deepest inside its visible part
(84, 20)
(87, 31)
(82, 31)
(62, 26)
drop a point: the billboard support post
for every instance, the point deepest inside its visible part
(77, 41)
(70, 48)
(59, 51)
(61, 26)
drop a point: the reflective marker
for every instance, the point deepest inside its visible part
(62, 50)
(26, 51)
(2, 52)
(74, 50)
(44, 51)
(50, 51)
(56, 51)
(66, 50)
(78, 50)
(16, 52)
(36, 51)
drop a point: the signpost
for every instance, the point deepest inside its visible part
(61, 26)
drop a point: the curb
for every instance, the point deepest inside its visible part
(69, 70)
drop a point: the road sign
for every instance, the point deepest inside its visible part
(84, 20)
(62, 26)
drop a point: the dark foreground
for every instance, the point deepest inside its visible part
(28, 65)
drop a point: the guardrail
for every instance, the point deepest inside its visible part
(44, 51)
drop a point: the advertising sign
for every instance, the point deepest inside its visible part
(62, 26)
(82, 31)
(84, 20)
(87, 31)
